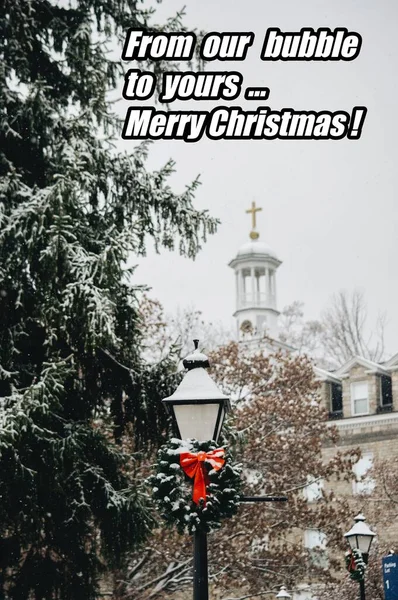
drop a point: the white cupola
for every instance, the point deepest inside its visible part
(255, 268)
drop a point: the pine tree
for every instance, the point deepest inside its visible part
(72, 209)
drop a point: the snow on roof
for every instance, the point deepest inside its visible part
(255, 250)
(392, 362)
(256, 247)
(324, 375)
(372, 367)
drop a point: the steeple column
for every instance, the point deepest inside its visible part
(239, 288)
(253, 287)
(272, 287)
(266, 287)
(242, 296)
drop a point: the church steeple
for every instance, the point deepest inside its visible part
(255, 268)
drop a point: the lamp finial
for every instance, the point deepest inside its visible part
(196, 359)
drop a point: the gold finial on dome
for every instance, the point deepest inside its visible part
(254, 235)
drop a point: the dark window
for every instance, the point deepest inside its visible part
(336, 397)
(386, 390)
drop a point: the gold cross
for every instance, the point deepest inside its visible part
(253, 210)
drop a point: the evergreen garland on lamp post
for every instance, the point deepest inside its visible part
(172, 488)
(355, 565)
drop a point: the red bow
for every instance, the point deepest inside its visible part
(193, 466)
(352, 565)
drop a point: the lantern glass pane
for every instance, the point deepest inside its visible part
(352, 540)
(364, 542)
(196, 421)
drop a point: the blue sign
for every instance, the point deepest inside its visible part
(390, 576)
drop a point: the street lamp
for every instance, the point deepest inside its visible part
(283, 593)
(360, 538)
(198, 409)
(197, 406)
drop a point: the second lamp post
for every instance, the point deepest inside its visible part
(360, 538)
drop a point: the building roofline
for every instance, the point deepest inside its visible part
(268, 341)
(324, 375)
(251, 258)
(365, 421)
(257, 308)
(372, 367)
(392, 362)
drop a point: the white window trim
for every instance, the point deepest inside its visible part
(321, 535)
(313, 481)
(368, 483)
(259, 544)
(318, 552)
(354, 414)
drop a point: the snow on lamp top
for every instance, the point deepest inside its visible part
(360, 535)
(198, 406)
(197, 383)
(196, 359)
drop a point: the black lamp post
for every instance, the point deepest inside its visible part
(360, 538)
(198, 409)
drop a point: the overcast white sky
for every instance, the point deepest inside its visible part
(329, 207)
